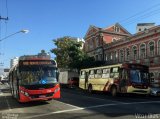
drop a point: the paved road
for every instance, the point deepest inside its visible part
(77, 104)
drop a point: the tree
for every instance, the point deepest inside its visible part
(70, 55)
(66, 51)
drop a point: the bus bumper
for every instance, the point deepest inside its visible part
(131, 89)
(26, 97)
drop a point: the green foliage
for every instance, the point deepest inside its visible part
(70, 55)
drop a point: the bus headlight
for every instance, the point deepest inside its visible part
(22, 91)
(56, 90)
(26, 94)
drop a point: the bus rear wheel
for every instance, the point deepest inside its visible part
(113, 91)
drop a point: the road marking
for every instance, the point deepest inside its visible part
(67, 104)
(90, 107)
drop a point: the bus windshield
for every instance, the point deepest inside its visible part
(139, 76)
(37, 75)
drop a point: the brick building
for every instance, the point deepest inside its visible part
(116, 45)
(96, 38)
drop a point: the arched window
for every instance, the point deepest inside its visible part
(158, 47)
(134, 52)
(142, 50)
(105, 57)
(151, 48)
(127, 54)
(121, 55)
(115, 55)
(109, 55)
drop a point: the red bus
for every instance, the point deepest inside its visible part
(34, 78)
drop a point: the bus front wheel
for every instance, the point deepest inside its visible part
(113, 91)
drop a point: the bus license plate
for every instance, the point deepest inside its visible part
(42, 96)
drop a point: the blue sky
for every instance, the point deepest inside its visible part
(51, 19)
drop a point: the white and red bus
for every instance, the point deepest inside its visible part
(118, 78)
(34, 78)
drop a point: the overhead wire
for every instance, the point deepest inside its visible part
(150, 14)
(140, 15)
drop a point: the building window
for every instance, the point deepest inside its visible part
(115, 55)
(159, 47)
(111, 56)
(121, 56)
(139, 29)
(100, 57)
(134, 52)
(96, 58)
(106, 57)
(151, 49)
(97, 42)
(142, 51)
(116, 29)
(127, 54)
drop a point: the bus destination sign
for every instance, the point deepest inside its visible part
(37, 62)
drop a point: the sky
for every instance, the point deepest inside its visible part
(50, 19)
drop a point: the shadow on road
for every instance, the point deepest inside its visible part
(104, 104)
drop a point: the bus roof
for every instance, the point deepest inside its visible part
(114, 65)
(101, 67)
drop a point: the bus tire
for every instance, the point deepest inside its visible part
(113, 91)
(90, 88)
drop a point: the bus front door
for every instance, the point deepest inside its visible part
(86, 80)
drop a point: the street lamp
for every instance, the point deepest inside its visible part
(21, 31)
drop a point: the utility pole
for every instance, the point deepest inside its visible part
(5, 19)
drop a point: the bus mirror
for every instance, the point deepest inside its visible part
(57, 75)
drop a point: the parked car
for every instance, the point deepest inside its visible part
(73, 82)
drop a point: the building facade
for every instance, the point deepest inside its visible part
(142, 47)
(96, 38)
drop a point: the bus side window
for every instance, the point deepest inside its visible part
(151, 77)
(106, 73)
(98, 73)
(114, 72)
(91, 74)
(82, 76)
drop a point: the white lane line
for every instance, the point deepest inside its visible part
(90, 107)
(67, 104)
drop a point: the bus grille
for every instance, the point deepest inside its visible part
(39, 95)
(39, 86)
